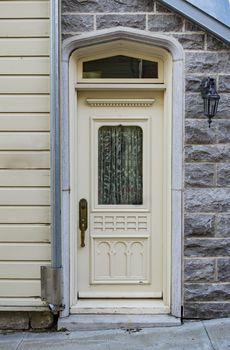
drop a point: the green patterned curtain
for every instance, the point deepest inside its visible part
(120, 179)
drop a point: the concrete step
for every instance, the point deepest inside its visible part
(92, 322)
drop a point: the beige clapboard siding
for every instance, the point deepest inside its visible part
(24, 196)
(24, 84)
(24, 46)
(24, 122)
(25, 233)
(24, 65)
(24, 160)
(24, 215)
(24, 141)
(24, 147)
(24, 9)
(20, 288)
(24, 103)
(24, 28)
(24, 251)
(16, 178)
(19, 304)
(20, 270)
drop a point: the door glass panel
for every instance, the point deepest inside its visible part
(120, 165)
(122, 67)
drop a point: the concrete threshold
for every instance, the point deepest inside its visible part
(92, 322)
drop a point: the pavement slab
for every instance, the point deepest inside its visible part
(192, 335)
(10, 341)
(219, 333)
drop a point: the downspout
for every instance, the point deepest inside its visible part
(51, 276)
(55, 135)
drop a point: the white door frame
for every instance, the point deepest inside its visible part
(142, 118)
(169, 43)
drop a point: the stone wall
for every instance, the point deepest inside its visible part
(206, 271)
(25, 320)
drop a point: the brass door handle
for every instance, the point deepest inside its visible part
(83, 220)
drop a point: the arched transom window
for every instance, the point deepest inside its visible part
(120, 67)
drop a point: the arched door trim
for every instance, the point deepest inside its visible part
(176, 51)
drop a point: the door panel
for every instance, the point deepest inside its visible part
(119, 173)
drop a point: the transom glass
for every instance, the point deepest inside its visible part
(120, 67)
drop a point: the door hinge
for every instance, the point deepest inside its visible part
(52, 287)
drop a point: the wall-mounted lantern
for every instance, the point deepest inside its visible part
(210, 97)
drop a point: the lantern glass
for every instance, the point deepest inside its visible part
(210, 106)
(213, 106)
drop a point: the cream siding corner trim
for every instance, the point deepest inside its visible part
(24, 151)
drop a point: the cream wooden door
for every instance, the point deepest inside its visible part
(123, 256)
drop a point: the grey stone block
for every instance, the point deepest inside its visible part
(199, 270)
(107, 6)
(223, 270)
(162, 9)
(199, 225)
(207, 292)
(223, 174)
(207, 62)
(223, 130)
(14, 320)
(224, 106)
(192, 27)
(199, 175)
(109, 21)
(207, 247)
(198, 132)
(224, 83)
(77, 23)
(215, 44)
(192, 83)
(223, 226)
(211, 153)
(191, 41)
(165, 23)
(206, 310)
(194, 106)
(207, 200)
(41, 320)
